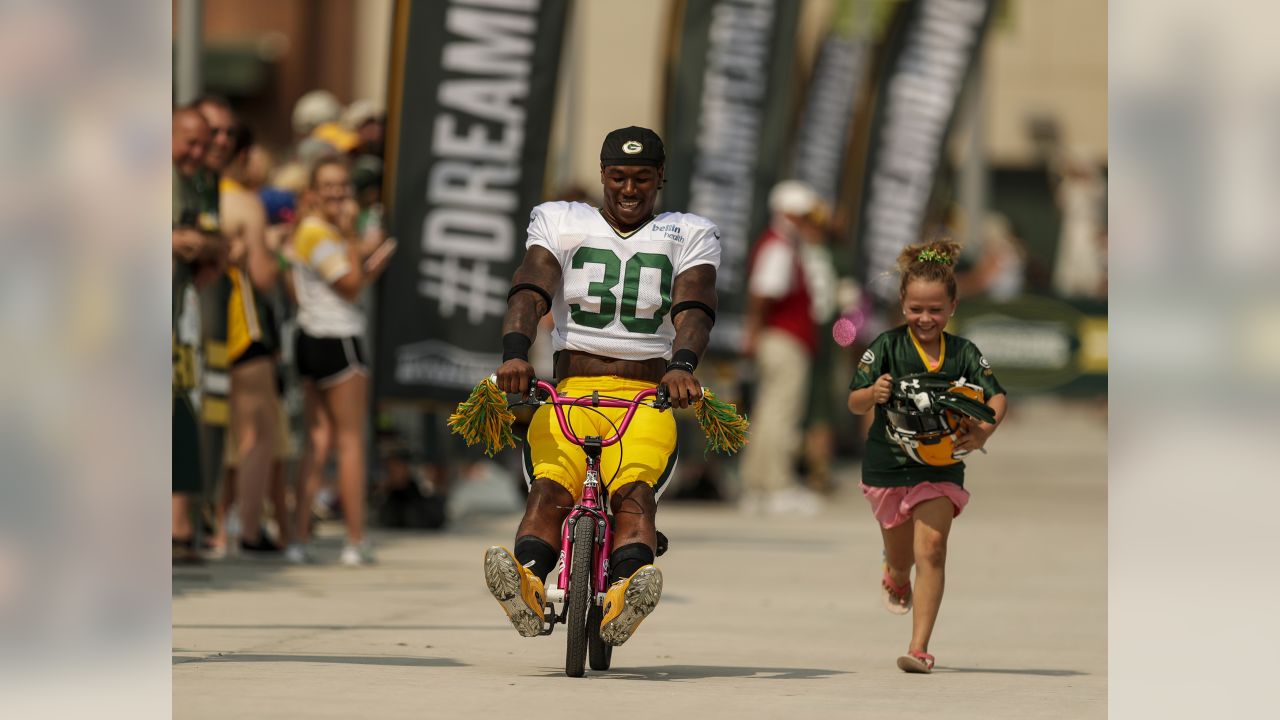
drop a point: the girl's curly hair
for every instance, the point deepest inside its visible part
(933, 260)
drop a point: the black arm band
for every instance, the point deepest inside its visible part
(530, 286)
(686, 360)
(692, 305)
(515, 345)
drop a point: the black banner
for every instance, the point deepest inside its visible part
(825, 126)
(926, 63)
(730, 106)
(472, 95)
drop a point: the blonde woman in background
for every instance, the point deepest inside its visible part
(331, 268)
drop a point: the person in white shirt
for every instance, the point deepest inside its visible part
(330, 271)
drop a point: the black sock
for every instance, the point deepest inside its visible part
(530, 548)
(627, 559)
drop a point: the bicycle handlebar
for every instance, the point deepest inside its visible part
(558, 401)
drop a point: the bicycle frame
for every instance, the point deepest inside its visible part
(593, 504)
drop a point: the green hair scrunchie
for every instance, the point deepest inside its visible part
(931, 255)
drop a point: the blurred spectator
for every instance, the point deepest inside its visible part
(314, 109)
(1000, 272)
(216, 111)
(258, 167)
(282, 197)
(780, 338)
(329, 273)
(290, 178)
(312, 150)
(367, 121)
(342, 140)
(281, 207)
(1079, 270)
(318, 136)
(199, 253)
(366, 177)
(195, 200)
(404, 498)
(820, 277)
(329, 123)
(215, 406)
(282, 214)
(251, 337)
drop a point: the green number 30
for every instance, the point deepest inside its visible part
(603, 290)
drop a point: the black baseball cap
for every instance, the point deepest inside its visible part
(632, 146)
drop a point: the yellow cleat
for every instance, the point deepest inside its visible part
(516, 589)
(628, 602)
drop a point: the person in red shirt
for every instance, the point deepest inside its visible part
(781, 339)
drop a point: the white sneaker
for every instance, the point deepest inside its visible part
(358, 554)
(298, 554)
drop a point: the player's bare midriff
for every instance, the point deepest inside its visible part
(575, 363)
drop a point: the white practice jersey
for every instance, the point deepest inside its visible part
(615, 296)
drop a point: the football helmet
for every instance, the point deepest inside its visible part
(926, 410)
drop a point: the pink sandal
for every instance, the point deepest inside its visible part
(897, 598)
(916, 662)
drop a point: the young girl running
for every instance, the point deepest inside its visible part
(914, 502)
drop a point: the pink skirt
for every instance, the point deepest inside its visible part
(892, 505)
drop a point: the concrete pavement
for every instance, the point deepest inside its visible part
(762, 617)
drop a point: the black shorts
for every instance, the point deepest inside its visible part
(328, 361)
(255, 350)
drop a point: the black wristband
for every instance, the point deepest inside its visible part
(686, 367)
(533, 288)
(692, 305)
(684, 359)
(685, 355)
(515, 345)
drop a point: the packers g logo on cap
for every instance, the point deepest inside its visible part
(632, 146)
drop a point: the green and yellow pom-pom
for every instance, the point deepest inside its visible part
(725, 429)
(484, 418)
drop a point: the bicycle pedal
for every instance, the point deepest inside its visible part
(549, 619)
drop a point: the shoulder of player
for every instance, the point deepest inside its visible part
(558, 215)
(558, 209)
(685, 219)
(688, 220)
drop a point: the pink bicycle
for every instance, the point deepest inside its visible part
(586, 538)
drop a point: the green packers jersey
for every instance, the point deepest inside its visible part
(896, 352)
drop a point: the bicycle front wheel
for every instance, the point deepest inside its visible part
(581, 595)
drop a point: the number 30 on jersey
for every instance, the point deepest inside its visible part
(630, 276)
